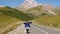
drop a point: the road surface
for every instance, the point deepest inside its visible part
(34, 30)
(43, 30)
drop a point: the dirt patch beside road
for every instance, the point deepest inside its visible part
(18, 30)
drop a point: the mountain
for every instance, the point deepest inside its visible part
(28, 4)
(57, 10)
(41, 9)
(31, 5)
(43, 14)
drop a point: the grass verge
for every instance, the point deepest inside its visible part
(11, 28)
(51, 21)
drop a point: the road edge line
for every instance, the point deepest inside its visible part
(40, 29)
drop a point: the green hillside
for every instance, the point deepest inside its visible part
(4, 20)
(7, 21)
(53, 21)
(15, 14)
(10, 16)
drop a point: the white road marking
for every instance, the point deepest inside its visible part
(40, 29)
(49, 27)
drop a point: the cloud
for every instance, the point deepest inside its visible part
(1, 6)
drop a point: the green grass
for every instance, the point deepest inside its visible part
(53, 21)
(56, 10)
(4, 19)
(7, 21)
(11, 28)
(16, 14)
(10, 15)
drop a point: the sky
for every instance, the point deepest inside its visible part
(14, 3)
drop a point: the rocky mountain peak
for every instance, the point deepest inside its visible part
(29, 4)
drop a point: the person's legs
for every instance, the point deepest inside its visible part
(27, 29)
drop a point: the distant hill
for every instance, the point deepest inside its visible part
(57, 10)
(41, 9)
(34, 8)
(41, 12)
(52, 21)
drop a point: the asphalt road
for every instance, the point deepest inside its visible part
(43, 30)
(34, 30)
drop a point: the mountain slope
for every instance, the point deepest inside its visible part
(10, 18)
(39, 11)
(52, 21)
(57, 10)
(15, 13)
(4, 19)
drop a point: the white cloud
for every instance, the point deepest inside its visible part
(1, 6)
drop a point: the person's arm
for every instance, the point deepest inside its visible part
(30, 22)
(24, 23)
